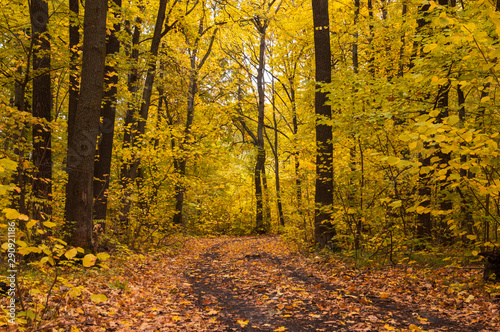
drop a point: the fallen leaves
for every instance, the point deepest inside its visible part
(229, 284)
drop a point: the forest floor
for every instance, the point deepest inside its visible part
(258, 284)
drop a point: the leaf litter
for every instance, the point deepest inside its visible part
(259, 284)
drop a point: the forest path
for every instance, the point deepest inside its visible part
(258, 284)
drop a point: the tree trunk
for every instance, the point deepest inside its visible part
(424, 221)
(324, 230)
(129, 168)
(130, 125)
(42, 106)
(82, 147)
(180, 163)
(260, 227)
(105, 148)
(74, 40)
(281, 218)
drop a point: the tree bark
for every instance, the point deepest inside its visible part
(42, 107)
(324, 230)
(281, 217)
(424, 221)
(105, 148)
(261, 24)
(82, 147)
(130, 125)
(74, 40)
(180, 163)
(131, 136)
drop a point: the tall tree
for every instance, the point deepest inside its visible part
(135, 124)
(324, 230)
(196, 64)
(424, 221)
(261, 24)
(42, 107)
(82, 146)
(74, 45)
(105, 148)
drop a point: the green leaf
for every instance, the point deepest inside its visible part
(89, 260)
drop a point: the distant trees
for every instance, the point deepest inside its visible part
(213, 100)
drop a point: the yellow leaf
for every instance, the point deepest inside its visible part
(429, 47)
(393, 160)
(280, 329)
(396, 204)
(102, 256)
(31, 223)
(414, 328)
(97, 298)
(89, 260)
(75, 292)
(383, 295)
(242, 323)
(452, 120)
(71, 253)
(23, 217)
(49, 224)
(11, 213)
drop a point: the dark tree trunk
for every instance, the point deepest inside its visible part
(42, 106)
(403, 44)
(19, 198)
(298, 180)
(445, 203)
(130, 125)
(105, 148)
(74, 40)
(424, 221)
(132, 135)
(324, 230)
(260, 227)
(180, 164)
(281, 218)
(467, 218)
(82, 147)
